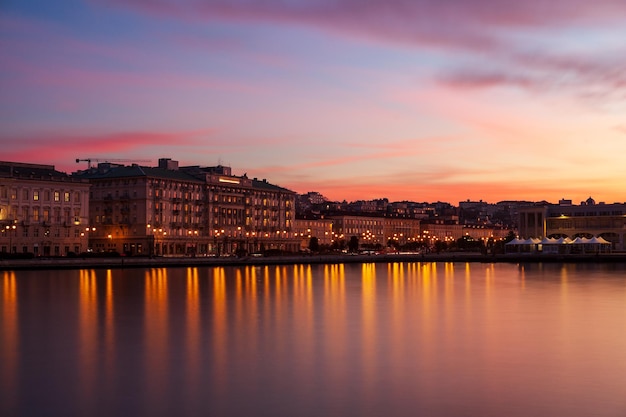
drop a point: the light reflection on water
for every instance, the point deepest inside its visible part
(432, 339)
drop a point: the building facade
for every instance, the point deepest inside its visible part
(376, 230)
(173, 211)
(43, 211)
(320, 228)
(567, 220)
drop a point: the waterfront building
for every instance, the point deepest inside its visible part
(441, 230)
(568, 220)
(42, 211)
(485, 232)
(247, 213)
(171, 210)
(370, 230)
(376, 230)
(402, 230)
(320, 228)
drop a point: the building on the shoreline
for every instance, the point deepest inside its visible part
(172, 210)
(486, 232)
(376, 230)
(570, 221)
(320, 228)
(448, 231)
(42, 211)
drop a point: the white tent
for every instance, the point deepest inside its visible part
(549, 245)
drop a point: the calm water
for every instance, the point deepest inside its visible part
(417, 339)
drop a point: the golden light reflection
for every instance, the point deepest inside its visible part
(370, 325)
(156, 332)
(240, 302)
(303, 285)
(193, 331)
(109, 322)
(220, 328)
(396, 281)
(335, 323)
(250, 316)
(9, 337)
(490, 276)
(303, 323)
(88, 333)
(468, 284)
(334, 283)
(448, 276)
(522, 276)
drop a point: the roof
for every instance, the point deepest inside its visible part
(20, 170)
(264, 185)
(134, 171)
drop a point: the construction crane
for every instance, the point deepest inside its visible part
(89, 160)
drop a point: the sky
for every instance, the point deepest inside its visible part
(419, 100)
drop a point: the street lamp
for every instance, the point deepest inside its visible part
(9, 229)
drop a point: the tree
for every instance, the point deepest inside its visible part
(440, 246)
(353, 244)
(510, 236)
(314, 245)
(392, 243)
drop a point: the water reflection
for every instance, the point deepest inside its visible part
(399, 339)
(87, 337)
(9, 341)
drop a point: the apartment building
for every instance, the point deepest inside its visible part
(171, 210)
(376, 230)
(43, 211)
(320, 228)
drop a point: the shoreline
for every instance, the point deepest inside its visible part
(161, 262)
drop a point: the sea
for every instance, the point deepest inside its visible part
(433, 339)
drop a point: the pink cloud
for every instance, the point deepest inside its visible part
(477, 26)
(45, 148)
(592, 77)
(460, 22)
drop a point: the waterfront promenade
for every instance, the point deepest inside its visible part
(158, 262)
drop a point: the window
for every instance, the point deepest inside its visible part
(36, 214)
(66, 197)
(77, 197)
(13, 194)
(57, 196)
(24, 195)
(46, 195)
(35, 195)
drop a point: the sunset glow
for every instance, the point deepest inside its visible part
(409, 100)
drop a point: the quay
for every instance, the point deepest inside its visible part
(42, 263)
